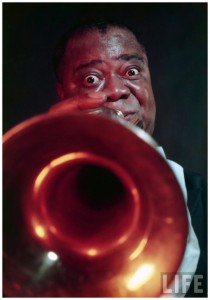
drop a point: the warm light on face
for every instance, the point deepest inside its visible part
(40, 231)
(140, 277)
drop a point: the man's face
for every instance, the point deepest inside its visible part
(113, 63)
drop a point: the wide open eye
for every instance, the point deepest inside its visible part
(91, 80)
(132, 72)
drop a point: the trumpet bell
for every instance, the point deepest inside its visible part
(90, 209)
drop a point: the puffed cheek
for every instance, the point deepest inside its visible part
(70, 90)
(140, 92)
(145, 92)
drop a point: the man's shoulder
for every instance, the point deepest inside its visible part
(197, 202)
(194, 180)
(196, 186)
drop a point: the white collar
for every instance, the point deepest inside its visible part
(192, 251)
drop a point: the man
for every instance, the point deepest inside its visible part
(115, 74)
(104, 65)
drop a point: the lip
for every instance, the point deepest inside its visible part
(127, 113)
(132, 117)
(129, 116)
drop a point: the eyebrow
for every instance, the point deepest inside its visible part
(127, 57)
(94, 62)
(91, 63)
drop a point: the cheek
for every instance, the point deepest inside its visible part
(69, 87)
(73, 90)
(140, 91)
(101, 86)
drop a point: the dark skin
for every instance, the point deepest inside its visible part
(107, 70)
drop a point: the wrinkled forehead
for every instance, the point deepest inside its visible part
(113, 41)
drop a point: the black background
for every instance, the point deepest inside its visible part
(175, 36)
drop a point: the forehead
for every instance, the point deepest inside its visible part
(109, 45)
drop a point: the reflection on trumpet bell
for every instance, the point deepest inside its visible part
(87, 215)
(75, 192)
(141, 276)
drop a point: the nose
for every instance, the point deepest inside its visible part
(115, 89)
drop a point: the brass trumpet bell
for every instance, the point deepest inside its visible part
(90, 209)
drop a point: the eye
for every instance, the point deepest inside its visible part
(132, 72)
(91, 80)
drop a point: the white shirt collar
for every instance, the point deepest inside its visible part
(192, 251)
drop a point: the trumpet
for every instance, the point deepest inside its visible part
(90, 209)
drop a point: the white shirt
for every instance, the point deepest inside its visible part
(192, 251)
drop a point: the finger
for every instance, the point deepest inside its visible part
(67, 104)
(91, 100)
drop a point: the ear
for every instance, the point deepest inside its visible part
(59, 90)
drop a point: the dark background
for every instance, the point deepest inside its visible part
(175, 36)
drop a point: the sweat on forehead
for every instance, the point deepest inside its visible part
(110, 39)
(77, 38)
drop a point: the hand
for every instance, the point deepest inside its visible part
(90, 104)
(91, 101)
